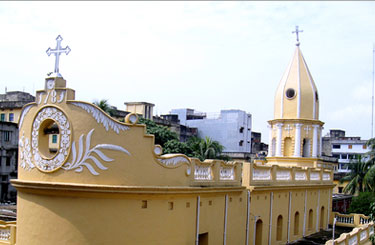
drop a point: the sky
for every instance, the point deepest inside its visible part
(207, 56)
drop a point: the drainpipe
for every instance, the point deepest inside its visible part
(304, 216)
(225, 219)
(270, 230)
(289, 211)
(247, 218)
(197, 226)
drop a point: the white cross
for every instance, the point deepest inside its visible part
(307, 129)
(57, 51)
(288, 128)
(296, 32)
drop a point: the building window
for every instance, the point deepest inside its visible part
(350, 146)
(241, 143)
(336, 146)
(11, 117)
(2, 117)
(54, 138)
(340, 189)
(296, 223)
(241, 130)
(5, 135)
(7, 161)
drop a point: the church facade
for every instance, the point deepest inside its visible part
(108, 183)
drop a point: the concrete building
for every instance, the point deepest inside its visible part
(231, 128)
(8, 160)
(143, 108)
(344, 148)
(11, 104)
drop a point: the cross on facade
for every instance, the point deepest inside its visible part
(296, 32)
(307, 129)
(288, 128)
(57, 51)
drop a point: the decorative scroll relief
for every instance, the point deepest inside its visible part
(353, 240)
(283, 175)
(326, 176)
(261, 174)
(203, 173)
(80, 158)
(51, 164)
(226, 173)
(314, 176)
(300, 176)
(101, 117)
(23, 114)
(363, 235)
(5, 235)
(25, 153)
(174, 161)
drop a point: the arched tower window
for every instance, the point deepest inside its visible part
(296, 223)
(311, 217)
(306, 148)
(273, 153)
(279, 231)
(258, 232)
(287, 147)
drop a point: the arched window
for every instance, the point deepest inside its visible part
(306, 148)
(273, 150)
(288, 147)
(311, 216)
(279, 231)
(258, 232)
(296, 223)
(322, 218)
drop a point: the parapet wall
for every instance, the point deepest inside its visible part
(270, 175)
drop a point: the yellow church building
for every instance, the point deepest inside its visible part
(108, 183)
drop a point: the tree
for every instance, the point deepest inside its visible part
(105, 106)
(359, 176)
(361, 203)
(162, 134)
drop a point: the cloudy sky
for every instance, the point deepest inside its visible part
(207, 56)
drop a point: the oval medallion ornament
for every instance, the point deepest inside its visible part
(51, 138)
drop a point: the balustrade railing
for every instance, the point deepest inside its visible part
(7, 232)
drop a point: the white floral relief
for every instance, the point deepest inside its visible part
(64, 131)
(314, 176)
(174, 161)
(101, 117)
(261, 174)
(25, 153)
(80, 158)
(299, 175)
(283, 175)
(353, 240)
(326, 176)
(23, 114)
(363, 235)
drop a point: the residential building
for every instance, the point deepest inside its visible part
(11, 104)
(8, 160)
(231, 128)
(143, 108)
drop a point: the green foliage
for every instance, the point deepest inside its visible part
(162, 134)
(360, 177)
(361, 203)
(194, 147)
(103, 104)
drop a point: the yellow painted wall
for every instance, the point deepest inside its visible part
(16, 112)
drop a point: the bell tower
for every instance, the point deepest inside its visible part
(295, 132)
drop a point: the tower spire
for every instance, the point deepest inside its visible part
(296, 32)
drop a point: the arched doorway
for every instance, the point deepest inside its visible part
(287, 147)
(311, 217)
(258, 232)
(296, 223)
(306, 148)
(279, 231)
(322, 218)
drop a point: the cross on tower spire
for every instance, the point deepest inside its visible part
(57, 51)
(296, 32)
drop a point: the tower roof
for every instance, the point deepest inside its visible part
(296, 96)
